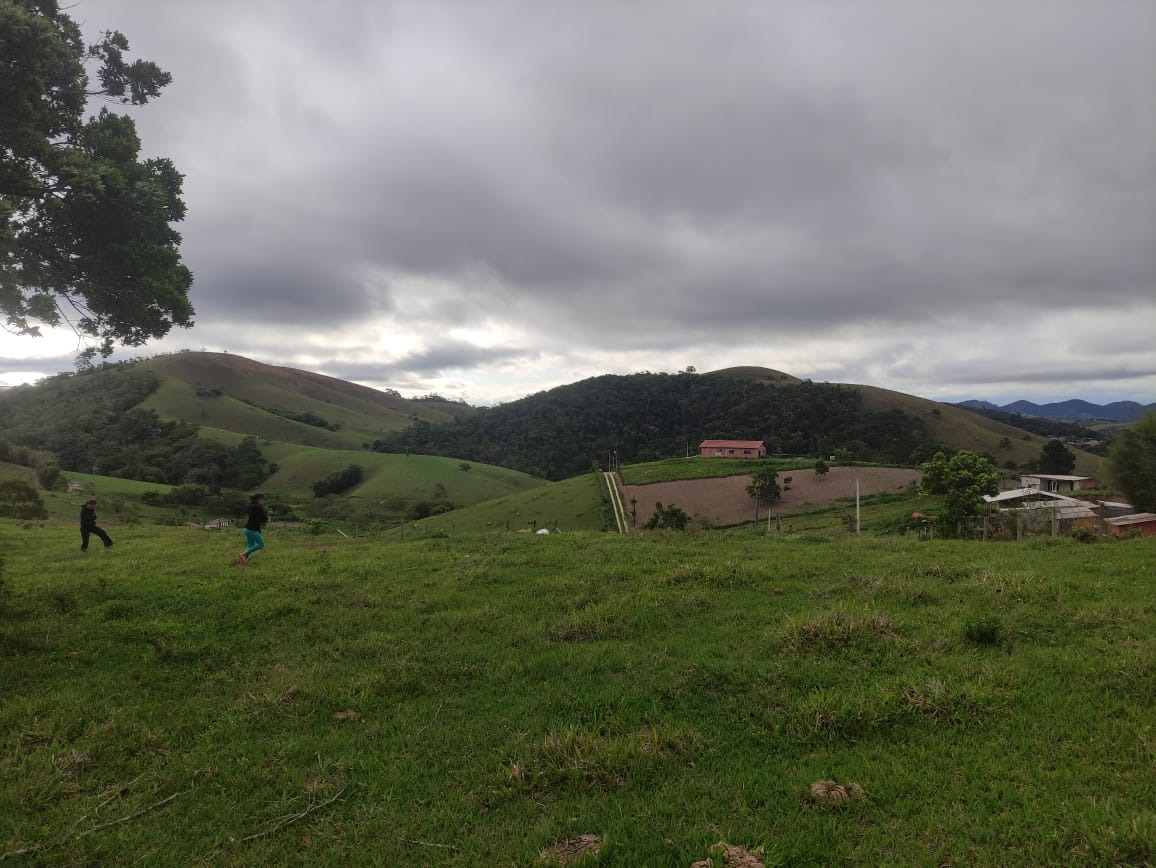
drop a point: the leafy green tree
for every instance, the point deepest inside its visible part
(764, 487)
(669, 517)
(822, 468)
(1132, 463)
(962, 480)
(85, 234)
(19, 499)
(1055, 457)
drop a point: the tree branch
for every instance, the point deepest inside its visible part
(292, 818)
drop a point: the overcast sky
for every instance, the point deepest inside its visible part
(487, 199)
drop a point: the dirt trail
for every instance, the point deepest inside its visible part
(725, 500)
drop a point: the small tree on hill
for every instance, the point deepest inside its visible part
(1055, 457)
(670, 517)
(1132, 463)
(962, 480)
(764, 487)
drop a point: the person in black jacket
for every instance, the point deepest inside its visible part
(88, 526)
(258, 518)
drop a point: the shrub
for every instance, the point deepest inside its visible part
(669, 517)
(339, 481)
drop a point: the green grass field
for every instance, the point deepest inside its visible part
(571, 505)
(673, 469)
(484, 699)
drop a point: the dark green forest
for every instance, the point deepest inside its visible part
(87, 423)
(647, 417)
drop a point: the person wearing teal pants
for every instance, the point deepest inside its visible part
(258, 518)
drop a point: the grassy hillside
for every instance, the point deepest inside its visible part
(231, 392)
(762, 375)
(388, 476)
(946, 423)
(646, 417)
(496, 699)
(571, 505)
(965, 429)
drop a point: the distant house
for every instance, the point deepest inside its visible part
(1139, 522)
(732, 449)
(1057, 482)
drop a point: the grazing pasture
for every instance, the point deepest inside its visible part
(504, 699)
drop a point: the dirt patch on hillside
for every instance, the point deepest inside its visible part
(725, 501)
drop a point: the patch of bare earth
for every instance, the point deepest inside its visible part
(724, 501)
(731, 855)
(570, 850)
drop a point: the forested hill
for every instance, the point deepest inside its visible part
(92, 422)
(645, 417)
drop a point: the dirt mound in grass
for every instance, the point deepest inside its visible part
(725, 501)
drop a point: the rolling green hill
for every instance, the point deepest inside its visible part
(311, 425)
(646, 417)
(221, 390)
(412, 477)
(570, 505)
(947, 423)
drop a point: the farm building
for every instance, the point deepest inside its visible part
(1139, 522)
(1036, 510)
(732, 449)
(1021, 498)
(1057, 482)
(1113, 508)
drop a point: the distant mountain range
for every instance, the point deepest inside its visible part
(1073, 410)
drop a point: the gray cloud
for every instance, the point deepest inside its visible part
(595, 183)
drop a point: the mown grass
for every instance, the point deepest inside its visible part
(571, 505)
(674, 469)
(474, 701)
(392, 475)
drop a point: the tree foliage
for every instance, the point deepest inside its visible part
(764, 486)
(85, 225)
(962, 480)
(339, 481)
(646, 417)
(1056, 458)
(667, 517)
(91, 422)
(1132, 463)
(19, 499)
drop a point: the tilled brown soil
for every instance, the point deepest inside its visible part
(725, 501)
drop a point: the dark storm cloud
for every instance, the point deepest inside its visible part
(607, 177)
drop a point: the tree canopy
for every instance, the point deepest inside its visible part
(85, 225)
(1132, 463)
(963, 480)
(647, 416)
(764, 487)
(1057, 458)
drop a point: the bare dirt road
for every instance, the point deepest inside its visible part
(725, 501)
